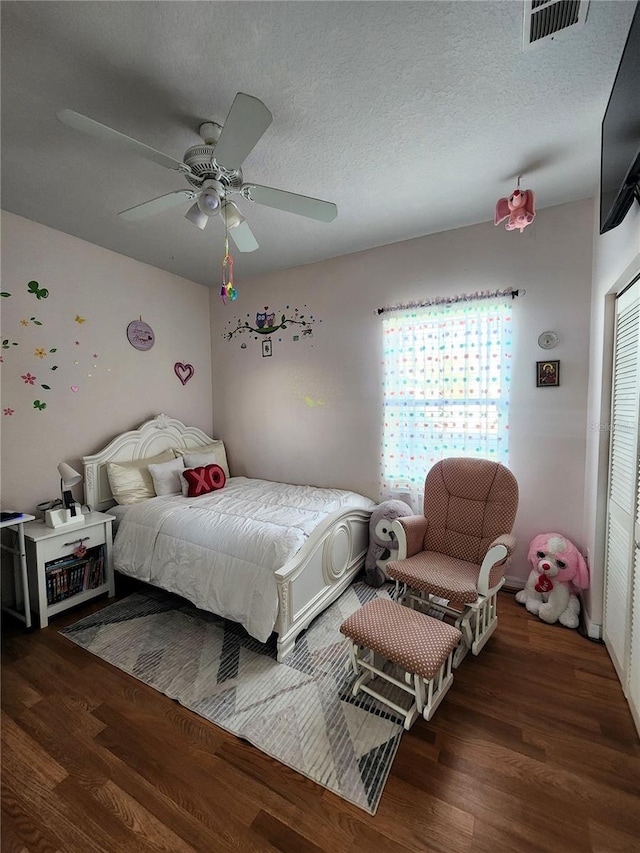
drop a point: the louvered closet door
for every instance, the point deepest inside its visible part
(633, 674)
(620, 554)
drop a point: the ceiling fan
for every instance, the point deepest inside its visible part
(214, 170)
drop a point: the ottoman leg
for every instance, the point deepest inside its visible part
(437, 687)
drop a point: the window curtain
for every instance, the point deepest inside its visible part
(447, 371)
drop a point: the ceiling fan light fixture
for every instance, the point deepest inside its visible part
(210, 132)
(231, 215)
(195, 215)
(209, 201)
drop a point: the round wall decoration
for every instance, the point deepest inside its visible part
(140, 334)
(547, 340)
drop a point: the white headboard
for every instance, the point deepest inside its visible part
(150, 439)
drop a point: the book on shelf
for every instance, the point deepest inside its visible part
(61, 562)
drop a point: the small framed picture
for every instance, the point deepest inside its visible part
(267, 348)
(547, 374)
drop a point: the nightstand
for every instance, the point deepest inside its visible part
(59, 577)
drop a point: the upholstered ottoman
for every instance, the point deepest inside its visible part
(419, 644)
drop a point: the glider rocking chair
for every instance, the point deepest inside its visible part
(452, 558)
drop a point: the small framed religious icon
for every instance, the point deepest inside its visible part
(547, 374)
(267, 349)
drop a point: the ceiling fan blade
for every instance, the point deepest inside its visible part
(303, 205)
(156, 205)
(247, 120)
(243, 237)
(107, 134)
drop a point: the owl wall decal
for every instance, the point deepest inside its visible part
(261, 319)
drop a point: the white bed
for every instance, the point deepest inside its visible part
(270, 556)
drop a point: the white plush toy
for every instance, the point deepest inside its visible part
(383, 545)
(559, 570)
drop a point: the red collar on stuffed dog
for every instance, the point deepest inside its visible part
(544, 584)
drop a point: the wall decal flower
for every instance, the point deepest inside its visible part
(42, 353)
(39, 405)
(24, 322)
(8, 411)
(80, 319)
(28, 378)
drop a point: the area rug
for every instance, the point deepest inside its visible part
(299, 712)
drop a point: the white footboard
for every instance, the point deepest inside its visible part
(319, 573)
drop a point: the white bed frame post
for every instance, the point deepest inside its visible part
(319, 573)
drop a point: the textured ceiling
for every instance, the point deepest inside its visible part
(412, 117)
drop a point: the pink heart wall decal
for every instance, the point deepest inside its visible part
(184, 372)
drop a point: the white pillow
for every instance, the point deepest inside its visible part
(212, 454)
(166, 476)
(184, 483)
(131, 481)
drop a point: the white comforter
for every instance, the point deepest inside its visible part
(221, 550)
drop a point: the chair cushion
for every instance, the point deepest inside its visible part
(439, 574)
(468, 503)
(414, 641)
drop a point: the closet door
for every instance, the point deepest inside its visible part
(633, 675)
(620, 555)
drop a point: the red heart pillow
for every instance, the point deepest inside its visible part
(204, 479)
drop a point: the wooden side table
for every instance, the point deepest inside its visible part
(61, 576)
(17, 525)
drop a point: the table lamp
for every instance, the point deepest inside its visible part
(70, 515)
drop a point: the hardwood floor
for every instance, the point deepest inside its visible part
(533, 749)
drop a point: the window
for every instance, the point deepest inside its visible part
(446, 389)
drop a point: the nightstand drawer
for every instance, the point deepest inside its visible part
(65, 545)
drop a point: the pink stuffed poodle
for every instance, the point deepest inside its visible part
(559, 570)
(520, 207)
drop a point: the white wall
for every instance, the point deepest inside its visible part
(311, 413)
(616, 261)
(119, 387)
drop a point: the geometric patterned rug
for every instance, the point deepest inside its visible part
(299, 712)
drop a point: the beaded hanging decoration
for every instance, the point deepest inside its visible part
(227, 290)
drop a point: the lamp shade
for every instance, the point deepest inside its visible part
(68, 475)
(195, 215)
(209, 201)
(231, 215)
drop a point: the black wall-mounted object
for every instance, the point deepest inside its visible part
(620, 142)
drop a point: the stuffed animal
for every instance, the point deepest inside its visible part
(520, 207)
(383, 545)
(559, 570)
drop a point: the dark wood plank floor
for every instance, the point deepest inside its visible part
(533, 749)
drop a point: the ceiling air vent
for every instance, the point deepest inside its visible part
(544, 19)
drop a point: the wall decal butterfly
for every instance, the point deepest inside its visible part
(38, 292)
